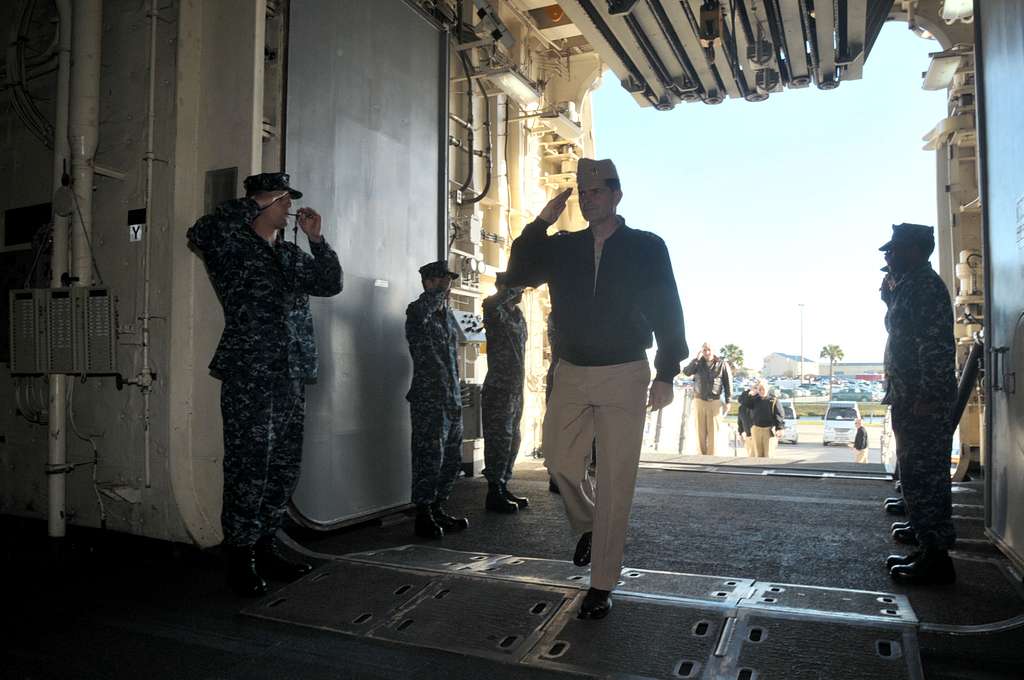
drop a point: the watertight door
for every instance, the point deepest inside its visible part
(366, 111)
(1001, 94)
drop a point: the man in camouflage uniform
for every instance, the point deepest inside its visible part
(435, 402)
(921, 388)
(267, 354)
(502, 395)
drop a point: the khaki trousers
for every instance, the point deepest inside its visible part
(609, 403)
(708, 412)
(748, 444)
(862, 455)
(764, 442)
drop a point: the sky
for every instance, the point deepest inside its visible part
(766, 206)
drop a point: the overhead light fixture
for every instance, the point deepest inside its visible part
(941, 70)
(958, 10)
(620, 6)
(563, 126)
(515, 85)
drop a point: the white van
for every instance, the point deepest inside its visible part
(839, 419)
(789, 435)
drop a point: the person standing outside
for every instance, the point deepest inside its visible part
(860, 441)
(768, 421)
(266, 355)
(711, 382)
(921, 389)
(435, 402)
(502, 398)
(611, 287)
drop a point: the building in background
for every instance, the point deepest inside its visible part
(788, 365)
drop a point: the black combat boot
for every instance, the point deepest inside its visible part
(892, 560)
(497, 502)
(272, 564)
(932, 566)
(905, 535)
(448, 523)
(242, 575)
(596, 604)
(518, 500)
(581, 557)
(426, 525)
(897, 508)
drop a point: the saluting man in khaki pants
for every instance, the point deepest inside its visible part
(611, 288)
(711, 380)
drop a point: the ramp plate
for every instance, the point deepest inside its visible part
(776, 646)
(639, 639)
(663, 624)
(832, 602)
(476, 616)
(346, 597)
(425, 557)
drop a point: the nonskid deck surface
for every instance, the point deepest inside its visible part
(663, 624)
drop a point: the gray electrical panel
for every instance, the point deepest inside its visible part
(63, 330)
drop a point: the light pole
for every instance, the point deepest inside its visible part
(801, 306)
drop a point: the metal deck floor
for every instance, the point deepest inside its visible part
(663, 625)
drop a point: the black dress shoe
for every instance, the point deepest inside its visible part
(552, 487)
(426, 525)
(449, 523)
(899, 525)
(497, 501)
(932, 566)
(906, 536)
(271, 562)
(892, 560)
(596, 604)
(242, 575)
(897, 508)
(521, 501)
(581, 557)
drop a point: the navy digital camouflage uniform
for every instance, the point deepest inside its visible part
(266, 355)
(435, 399)
(503, 387)
(920, 364)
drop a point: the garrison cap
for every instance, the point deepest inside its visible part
(591, 174)
(909, 234)
(269, 181)
(437, 270)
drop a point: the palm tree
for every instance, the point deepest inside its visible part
(833, 353)
(733, 355)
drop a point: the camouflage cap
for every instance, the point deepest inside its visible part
(437, 270)
(909, 234)
(591, 174)
(269, 181)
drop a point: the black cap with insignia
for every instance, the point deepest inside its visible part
(269, 181)
(437, 270)
(909, 234)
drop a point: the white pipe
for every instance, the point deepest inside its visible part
(57, 453)
(145, 378)
(84, 129)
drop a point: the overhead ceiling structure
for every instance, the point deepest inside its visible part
(668, 51)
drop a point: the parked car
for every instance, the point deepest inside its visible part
(789, 435)
(839, 427)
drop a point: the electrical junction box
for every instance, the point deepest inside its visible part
(63, 330)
